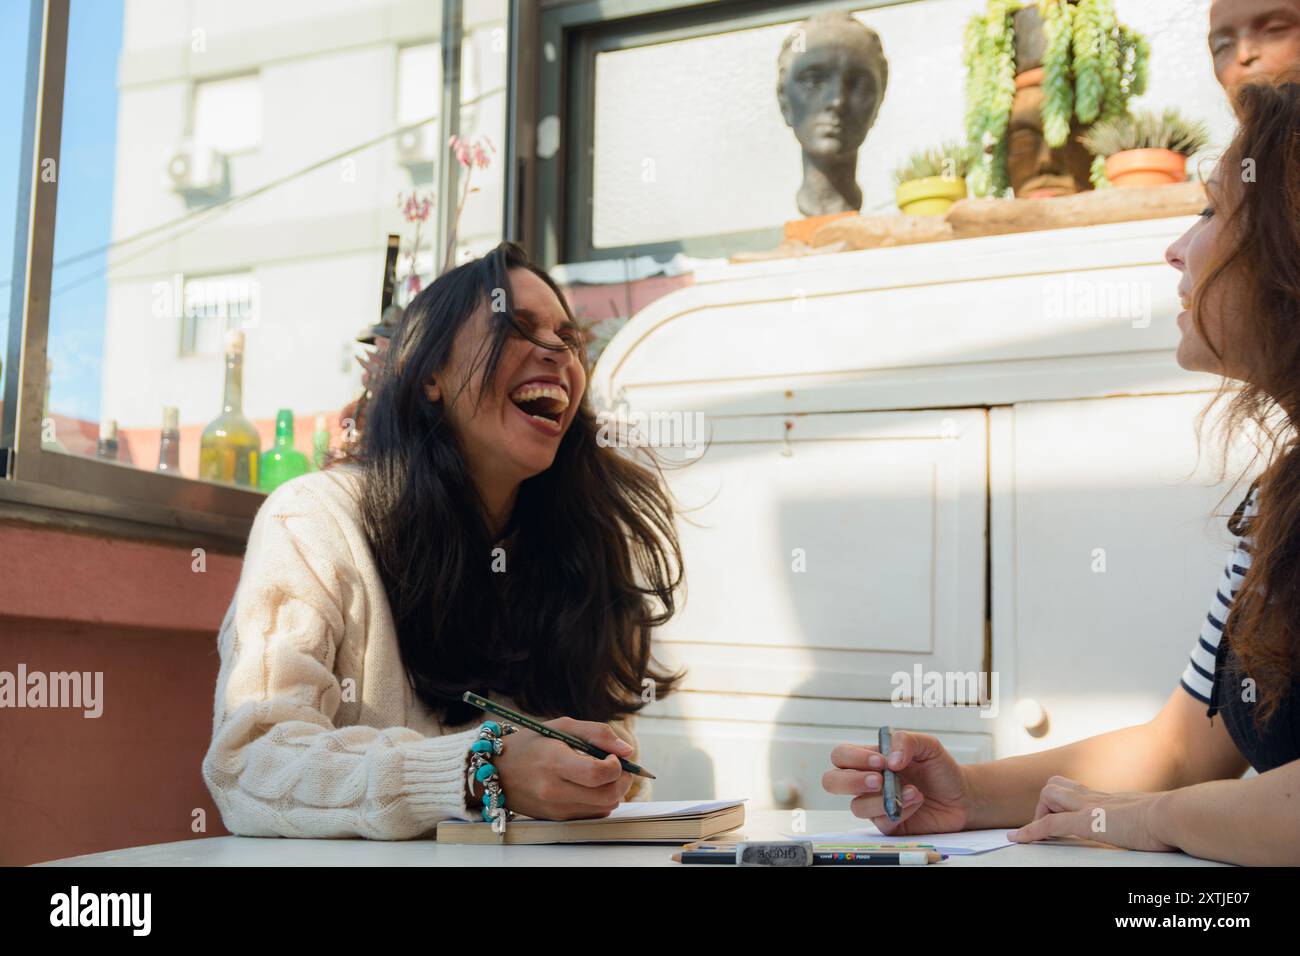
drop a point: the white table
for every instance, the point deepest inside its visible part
(761, 824)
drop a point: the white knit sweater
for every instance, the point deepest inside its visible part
(316, 730)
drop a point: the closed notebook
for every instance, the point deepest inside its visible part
(664, 821)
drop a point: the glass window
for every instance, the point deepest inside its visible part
(213, 307)
(228, 114)
(664, 180)
(419, 80)
(703, 162)
(484, 73)
(228, 180)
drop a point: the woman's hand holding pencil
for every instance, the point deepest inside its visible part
(935, 792)
(547, 779)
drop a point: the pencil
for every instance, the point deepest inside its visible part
(591, 750)
(893, 804)
(821, 856)
(875, 857)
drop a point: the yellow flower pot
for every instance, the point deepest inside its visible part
(930, 196)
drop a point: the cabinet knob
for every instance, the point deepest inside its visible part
(1032, 716)
(785, 793)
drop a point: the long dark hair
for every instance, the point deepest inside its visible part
(592, 558)
(1259, 250)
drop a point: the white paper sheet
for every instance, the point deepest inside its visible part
(636, 810)
(640, 810)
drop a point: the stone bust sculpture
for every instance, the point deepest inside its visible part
(831, 78)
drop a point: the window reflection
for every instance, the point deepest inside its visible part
(231, 173)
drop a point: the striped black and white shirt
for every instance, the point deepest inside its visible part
(1198, 677)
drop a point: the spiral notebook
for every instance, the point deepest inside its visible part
(662, 821)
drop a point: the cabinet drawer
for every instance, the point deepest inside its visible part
(825, 553)
(771, 764)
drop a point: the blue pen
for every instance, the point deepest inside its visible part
(893, 805)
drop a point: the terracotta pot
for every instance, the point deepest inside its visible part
(930, 196)
(1146, 167)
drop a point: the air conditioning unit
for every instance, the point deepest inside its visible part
(415, 152)
(199, 173)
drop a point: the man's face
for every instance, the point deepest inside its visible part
(1254, 39)
(830, 97)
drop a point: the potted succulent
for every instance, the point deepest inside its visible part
(1041, 72)
(1146, 148)
(931, 180)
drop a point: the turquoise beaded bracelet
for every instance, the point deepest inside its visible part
(482, 770)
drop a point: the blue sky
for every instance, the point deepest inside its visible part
(85, 188)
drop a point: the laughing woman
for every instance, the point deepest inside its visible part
(1175, 782)
(479, 539)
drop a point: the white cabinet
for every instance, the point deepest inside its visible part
(774, 750)
(825, 553)
(772, 764)
(944, 435)
(1114, 554)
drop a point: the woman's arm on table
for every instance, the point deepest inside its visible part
(1180, 746)
(1184, 799)
(1254, 822)
(277, 765)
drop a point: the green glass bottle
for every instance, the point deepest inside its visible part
(229, 446)
(282, 461)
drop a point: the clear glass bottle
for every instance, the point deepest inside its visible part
(230, 445)
(108, 446)
(169, 444)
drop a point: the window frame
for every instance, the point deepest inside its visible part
(189, 324)
(52, 481)
(580, 29)
(66, 490)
